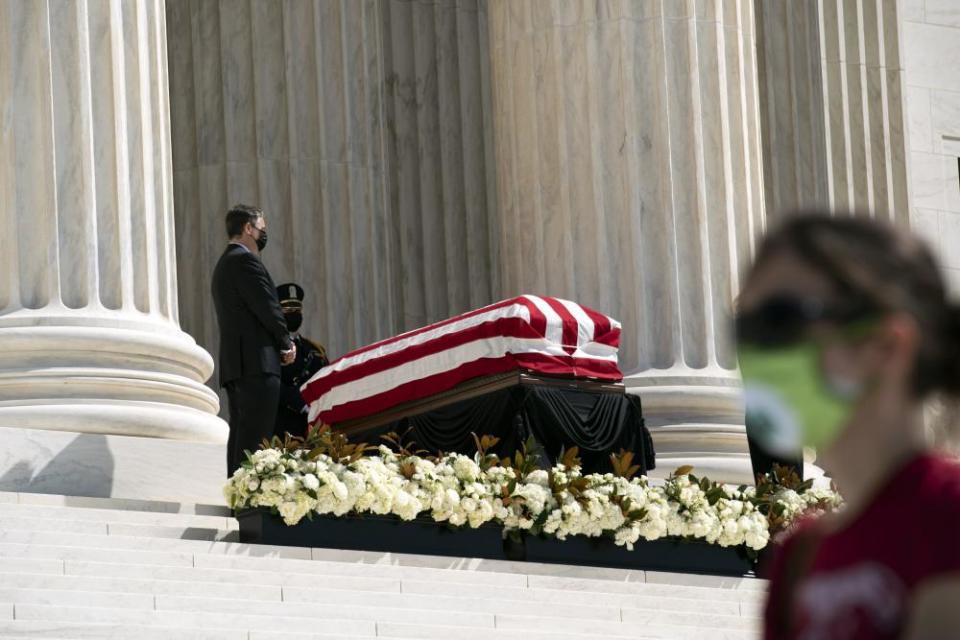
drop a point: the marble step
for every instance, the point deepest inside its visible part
(93, 527)
(17, 629)
(114, 504)
(174, 570)
(97, 549)
(224, 556)
(189, 587)
(152, 594)
(119, 516)
(177, 529)
(571, 591)
(229, 577)
(312, 615)
(188, 620)
(527, 629)
(515, 600)
(476, 614)
(249, 585)
(293, 628)
(464, 612)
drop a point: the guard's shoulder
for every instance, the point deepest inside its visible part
(316, 345)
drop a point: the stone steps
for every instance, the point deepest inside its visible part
(78, 568)
(98, 515)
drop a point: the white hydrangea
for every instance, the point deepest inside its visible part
(560, 502)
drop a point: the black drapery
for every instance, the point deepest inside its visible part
(598, 423)
(763, 460)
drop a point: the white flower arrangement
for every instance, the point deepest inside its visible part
(338, 479)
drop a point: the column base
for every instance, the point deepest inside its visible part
(111, 466)
(719, 454)
(110, 375)
(695, 418)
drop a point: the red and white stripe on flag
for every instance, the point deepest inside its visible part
(533, 333)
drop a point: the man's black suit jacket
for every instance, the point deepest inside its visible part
(253, 330)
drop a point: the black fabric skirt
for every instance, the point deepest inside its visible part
(598, 423)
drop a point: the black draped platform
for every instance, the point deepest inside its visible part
(597, 417)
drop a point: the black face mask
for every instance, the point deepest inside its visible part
(294, 320)
(262, 239)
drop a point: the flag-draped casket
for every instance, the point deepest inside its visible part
(542, 335)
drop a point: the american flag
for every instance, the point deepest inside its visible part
(539, 334)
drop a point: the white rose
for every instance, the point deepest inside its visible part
(310, 482)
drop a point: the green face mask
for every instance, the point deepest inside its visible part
(789, 404)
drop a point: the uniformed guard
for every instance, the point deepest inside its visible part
(311, 357)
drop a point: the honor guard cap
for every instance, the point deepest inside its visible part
(291, 296)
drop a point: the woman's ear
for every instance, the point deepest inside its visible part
(895, 347)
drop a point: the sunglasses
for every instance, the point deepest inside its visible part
(784, 319)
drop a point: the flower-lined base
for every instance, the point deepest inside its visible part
(423, 536)
(371, 532)
(649, 555)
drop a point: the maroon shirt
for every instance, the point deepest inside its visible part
(857, 582)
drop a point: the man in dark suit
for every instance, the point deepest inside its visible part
(311, 357)
(254, 341)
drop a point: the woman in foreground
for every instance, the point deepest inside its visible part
(845, 330)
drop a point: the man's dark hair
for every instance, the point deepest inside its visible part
(239, 215)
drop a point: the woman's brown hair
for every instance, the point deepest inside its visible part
(888, 270)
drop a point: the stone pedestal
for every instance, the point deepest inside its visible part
(88, 295)
(629, 179)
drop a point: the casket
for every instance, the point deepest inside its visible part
(540, 335)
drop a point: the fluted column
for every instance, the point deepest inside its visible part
(629, 178)
(279, 104)
(359, 127)
(88, 283)
(439, 151)
(832, 96)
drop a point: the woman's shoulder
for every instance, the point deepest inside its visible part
(938, 477)
(935, 509)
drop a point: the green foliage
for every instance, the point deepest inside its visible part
(486, 459)
(524, 461)
(403, 445)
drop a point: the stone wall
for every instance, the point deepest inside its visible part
(359, 127)
(931, 47)
(418, 159)
(832, 104)
(627, 141)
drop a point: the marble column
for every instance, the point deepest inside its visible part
(359, 127)
(832, 95)
(88, 282)
(439, 151)
(628, 167)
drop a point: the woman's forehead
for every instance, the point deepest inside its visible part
(783, 273)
